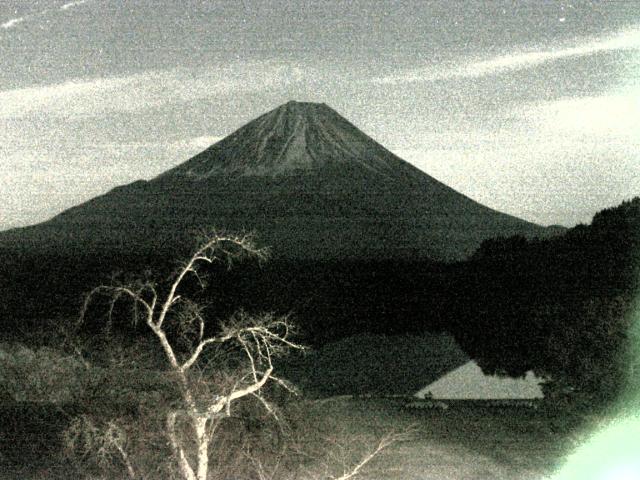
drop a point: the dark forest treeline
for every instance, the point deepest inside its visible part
(559, 306)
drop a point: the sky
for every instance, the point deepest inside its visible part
(531, 107)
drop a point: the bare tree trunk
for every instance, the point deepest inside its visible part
(203, 447)
(127, 463)
(183, 463)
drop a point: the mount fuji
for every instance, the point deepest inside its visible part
(310, 183)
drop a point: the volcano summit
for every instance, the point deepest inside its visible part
(295, 138)
(312, 186)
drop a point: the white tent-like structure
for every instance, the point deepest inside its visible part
(469, 383)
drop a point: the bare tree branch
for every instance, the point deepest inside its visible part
(384, 443)
(198, 350)
(207, 253)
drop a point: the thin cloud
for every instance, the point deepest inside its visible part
(627, 40)
(15, 21)
(190, 144)
(12, 23)
(611, 117)
(145, 90)
(36, 190)
(69, 5)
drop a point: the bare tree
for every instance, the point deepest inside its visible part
(332, 458)
(204, 400)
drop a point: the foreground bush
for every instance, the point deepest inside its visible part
(39, 375)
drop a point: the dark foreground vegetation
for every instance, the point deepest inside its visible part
(561, 307)
(470, 443)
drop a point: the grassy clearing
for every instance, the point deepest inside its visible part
(461, 443)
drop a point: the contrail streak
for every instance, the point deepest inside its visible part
(12, 23)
